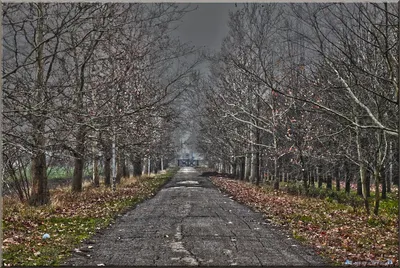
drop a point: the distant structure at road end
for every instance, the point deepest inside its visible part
(190, 160)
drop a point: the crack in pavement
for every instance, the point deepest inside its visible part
(177, 246)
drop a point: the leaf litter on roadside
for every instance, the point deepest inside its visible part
(333, 230)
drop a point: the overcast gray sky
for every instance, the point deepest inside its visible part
(207, 25)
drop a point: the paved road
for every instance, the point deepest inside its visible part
(190, 222)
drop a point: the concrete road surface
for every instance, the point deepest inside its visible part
(190, 222)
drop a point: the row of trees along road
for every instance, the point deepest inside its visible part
(306, 92)
(89, 83)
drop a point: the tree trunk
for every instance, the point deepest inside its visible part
(312, 179)
(377, 194)
(234, 168)
(382, 177)
(362, 169)
(253, 169)
(165, 164)
(390, 175)
(304, 178)
(96, 177)
(118, 164)
(148, 166)
(359, 186)
(329, 181)
(303, 171)
(276, 178)
(96, 155)
(137, 167)
(257, 164)
(107, 166)
(114, 160)
(257, 149)
(155, 165)
(261, 169)
(347, 178)
(124, 168)
(347, 185)
(145, 165)
(320, 179)
(337, 181)
(364, 186)
(368, 176)
(242, 167)
(77, 178)
(247, 167)
(78, 174)
(40, 193)
(378, 170)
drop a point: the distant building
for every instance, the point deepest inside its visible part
(187, 162)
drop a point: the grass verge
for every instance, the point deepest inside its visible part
(334, 230)
(70, 219)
